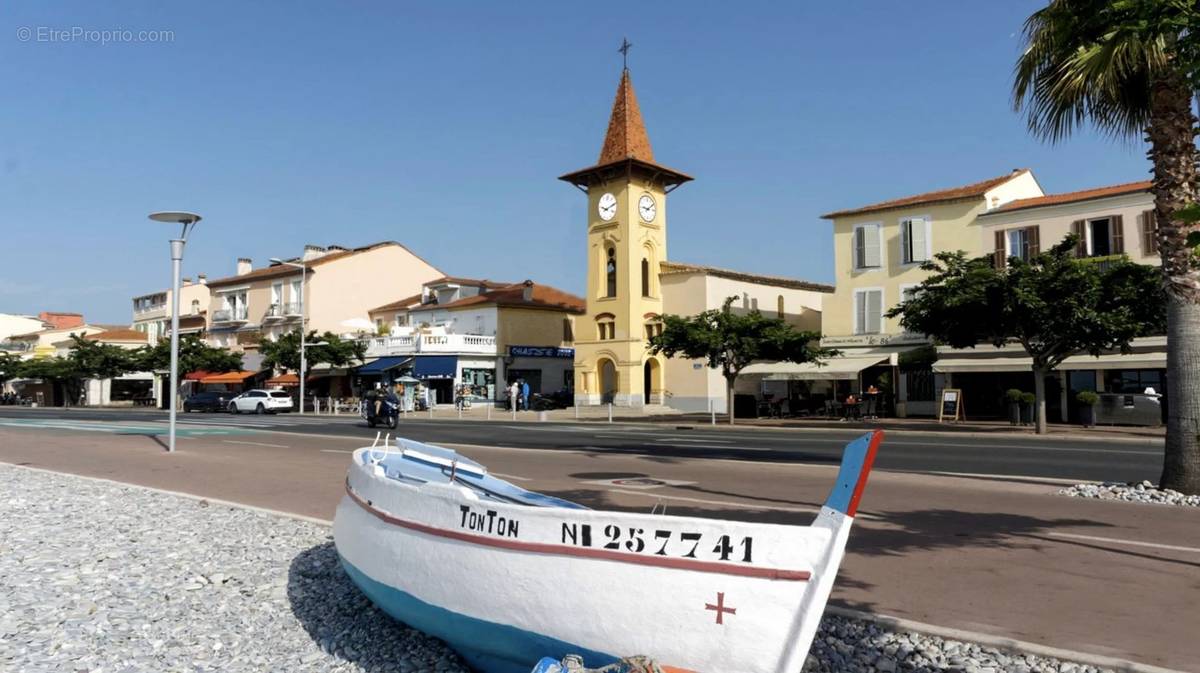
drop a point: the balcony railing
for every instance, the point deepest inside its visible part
(15, 346)
(230, 315)
(279, 311)
(412, 344)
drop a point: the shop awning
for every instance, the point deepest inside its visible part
(969, 365)
(284, 380)
(382, 365)
(834, 369)
(229, 377)
(435, 367)
(197, 375)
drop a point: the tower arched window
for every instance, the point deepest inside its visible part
(645, 277)
(610, 273)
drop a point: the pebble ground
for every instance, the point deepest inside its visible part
(105, 578)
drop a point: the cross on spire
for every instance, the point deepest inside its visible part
(625, 45)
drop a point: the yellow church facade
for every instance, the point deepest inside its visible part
(631, 283)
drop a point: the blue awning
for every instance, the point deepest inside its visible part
(382, 365)
(435, 367)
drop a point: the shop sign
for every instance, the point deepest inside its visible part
(541, 352)
(873, 339)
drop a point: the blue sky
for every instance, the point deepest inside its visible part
(444, 125)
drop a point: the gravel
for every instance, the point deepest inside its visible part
(1144, 491)
(102, 577)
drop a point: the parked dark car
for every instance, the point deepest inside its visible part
(206, 402)
(557, 400)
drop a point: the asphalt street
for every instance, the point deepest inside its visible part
(1083, 459)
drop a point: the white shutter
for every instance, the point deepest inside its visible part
(860, 312)
(905, 225)
(859, 252)
(918, 239)
(874, 311)
(871, 246)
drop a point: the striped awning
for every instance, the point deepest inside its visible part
(229, 377)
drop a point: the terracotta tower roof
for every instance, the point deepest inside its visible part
(626, 137)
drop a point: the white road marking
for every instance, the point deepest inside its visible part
(1135, 543)
(273, 446)
(335, 451)
(689, 439)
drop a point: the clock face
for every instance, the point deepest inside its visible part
(607, 206)
(647, 208)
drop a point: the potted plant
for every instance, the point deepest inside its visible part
(1013, 397)
(1027, 402)
(1087, 407)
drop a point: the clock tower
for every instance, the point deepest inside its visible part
(626, 242)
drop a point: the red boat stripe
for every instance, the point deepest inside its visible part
(587, 552)
(865, 472)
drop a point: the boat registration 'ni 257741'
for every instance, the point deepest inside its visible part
(507, 576)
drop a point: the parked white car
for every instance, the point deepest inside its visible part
(261, 402)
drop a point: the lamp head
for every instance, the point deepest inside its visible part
(175, 217)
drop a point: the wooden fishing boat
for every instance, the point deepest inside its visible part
(507, 576)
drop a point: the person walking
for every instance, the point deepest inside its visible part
(525, 394)
(514, 392)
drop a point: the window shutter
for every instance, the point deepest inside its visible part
(1116, 231)
(860, 312)
(860, 255)
(1033, 240)
(1079, 228)
(918, 239)
(905, 237)
(871, 247)
(998, 257)
(874, 311)
(1149, 227)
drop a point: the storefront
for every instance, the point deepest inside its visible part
(438, 373)
(547, 369)
(380, 371)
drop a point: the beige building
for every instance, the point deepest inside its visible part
(631, 283)
(340, 287)
(478, 333)
(152, 312)
(878, 252)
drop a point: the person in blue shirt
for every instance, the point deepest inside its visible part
(525, 394)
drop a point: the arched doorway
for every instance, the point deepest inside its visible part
(608, 380)
(651, 385)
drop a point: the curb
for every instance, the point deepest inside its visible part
(1009, 645)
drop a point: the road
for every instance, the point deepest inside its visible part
(1000, 555)
(1082, 459)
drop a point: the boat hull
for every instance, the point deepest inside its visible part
(507, 584)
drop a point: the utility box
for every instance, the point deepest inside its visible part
(1129, 409)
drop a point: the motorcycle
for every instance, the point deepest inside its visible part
(389, 413)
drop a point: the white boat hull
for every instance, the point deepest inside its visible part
(506, 584)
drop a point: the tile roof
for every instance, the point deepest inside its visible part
(1074, 197)
(123, 334)
(668, 268)
(626, 137)
(458, 280)
(280, 270)
(972, 191)
(513, 295)
(407, 302)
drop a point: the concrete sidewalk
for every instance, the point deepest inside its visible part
(1000, 556)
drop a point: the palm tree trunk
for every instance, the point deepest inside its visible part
(1173, 152)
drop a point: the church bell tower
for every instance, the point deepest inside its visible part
(626, 242)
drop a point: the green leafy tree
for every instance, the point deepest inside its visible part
(63, 373)
(96, 360)
(328, 348)
(194, 356)
(1054, 305)
(1129, 67)
(9, 367)
(730, 341)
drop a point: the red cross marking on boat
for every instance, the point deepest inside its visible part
(720, 608)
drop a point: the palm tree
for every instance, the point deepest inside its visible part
(1116, 64)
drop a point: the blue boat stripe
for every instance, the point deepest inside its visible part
(856, 459)
(486, 646)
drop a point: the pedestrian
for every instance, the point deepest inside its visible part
(525, 394)
(514, 392)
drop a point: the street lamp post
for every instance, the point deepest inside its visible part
(187, 221)
(303, 361)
